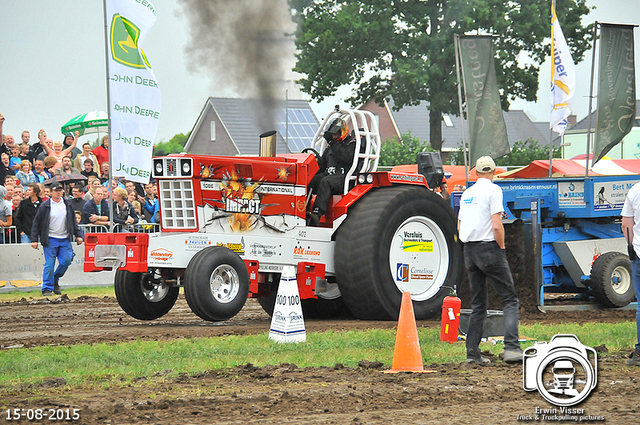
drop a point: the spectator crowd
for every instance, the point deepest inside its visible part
(84, 171)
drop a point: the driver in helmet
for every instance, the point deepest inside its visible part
(336, 160)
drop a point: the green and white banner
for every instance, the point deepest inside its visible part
(135, 99)
(616, 88)
(487, 130)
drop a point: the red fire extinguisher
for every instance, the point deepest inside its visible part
(450, 319)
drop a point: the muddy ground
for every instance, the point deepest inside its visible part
(286, 394)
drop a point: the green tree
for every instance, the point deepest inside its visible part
(522, 153)
(404, 48)
(403, 150)
(174, 145)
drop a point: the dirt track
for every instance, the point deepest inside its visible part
(285, 393)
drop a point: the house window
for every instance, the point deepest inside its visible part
(447, 120)
(213, 131)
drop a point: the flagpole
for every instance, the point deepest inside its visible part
(593, 70)
(550, 172)
(464, 144)
(106, 59)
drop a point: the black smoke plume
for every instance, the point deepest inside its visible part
(242, 43)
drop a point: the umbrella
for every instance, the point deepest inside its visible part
(91, 122)
(66, 178)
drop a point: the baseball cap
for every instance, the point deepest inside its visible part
(485, 164)
(56, 185)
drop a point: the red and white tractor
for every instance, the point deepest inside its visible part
(230, 224)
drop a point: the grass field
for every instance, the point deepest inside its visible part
(93, 291)
(102, 363)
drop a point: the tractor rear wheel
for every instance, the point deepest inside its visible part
(144, 296)
(216, 283)
(397, 239)
(330, 306)
(611, 280)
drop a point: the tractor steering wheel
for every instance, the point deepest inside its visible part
(315, 153)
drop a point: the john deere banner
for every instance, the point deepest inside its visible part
(616, 88)
(135, 99)
(487, 130)
(563, 78)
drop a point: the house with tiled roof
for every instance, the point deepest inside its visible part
(574, 140)
(415, 119)
(231, 126)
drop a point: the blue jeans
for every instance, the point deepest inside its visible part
(486, 261)
(62, 250)
(25, 238)
(635, 265)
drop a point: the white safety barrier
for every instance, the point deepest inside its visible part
(21, 268)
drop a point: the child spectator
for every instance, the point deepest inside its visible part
(14, 161)
(25, 154)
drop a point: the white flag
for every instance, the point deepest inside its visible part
(135, 99)
(563, 77)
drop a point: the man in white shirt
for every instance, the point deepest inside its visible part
(55, 227)
(480, 229)
(631, 229)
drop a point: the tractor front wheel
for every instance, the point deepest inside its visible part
(216, 283)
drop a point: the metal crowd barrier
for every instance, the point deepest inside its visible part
(10, 236)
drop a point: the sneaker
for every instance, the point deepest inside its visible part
(56, 287)
(634, 358)
(482, 361)
(513, 356)
(46, 293)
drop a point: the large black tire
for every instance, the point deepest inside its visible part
(216, 283)
(612, 280)
(144, 296)
(375, 263)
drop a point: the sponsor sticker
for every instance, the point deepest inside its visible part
(402, 272)
(161, 254)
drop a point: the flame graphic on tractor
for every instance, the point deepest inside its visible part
(241, 200)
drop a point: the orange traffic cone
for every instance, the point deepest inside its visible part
(407, 356)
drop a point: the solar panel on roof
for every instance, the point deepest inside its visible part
(302, 128)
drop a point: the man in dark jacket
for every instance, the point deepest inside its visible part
(27, 212)
(96, 210)
(55, 226)
(336, 161)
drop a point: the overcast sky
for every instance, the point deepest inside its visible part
(52, 65)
